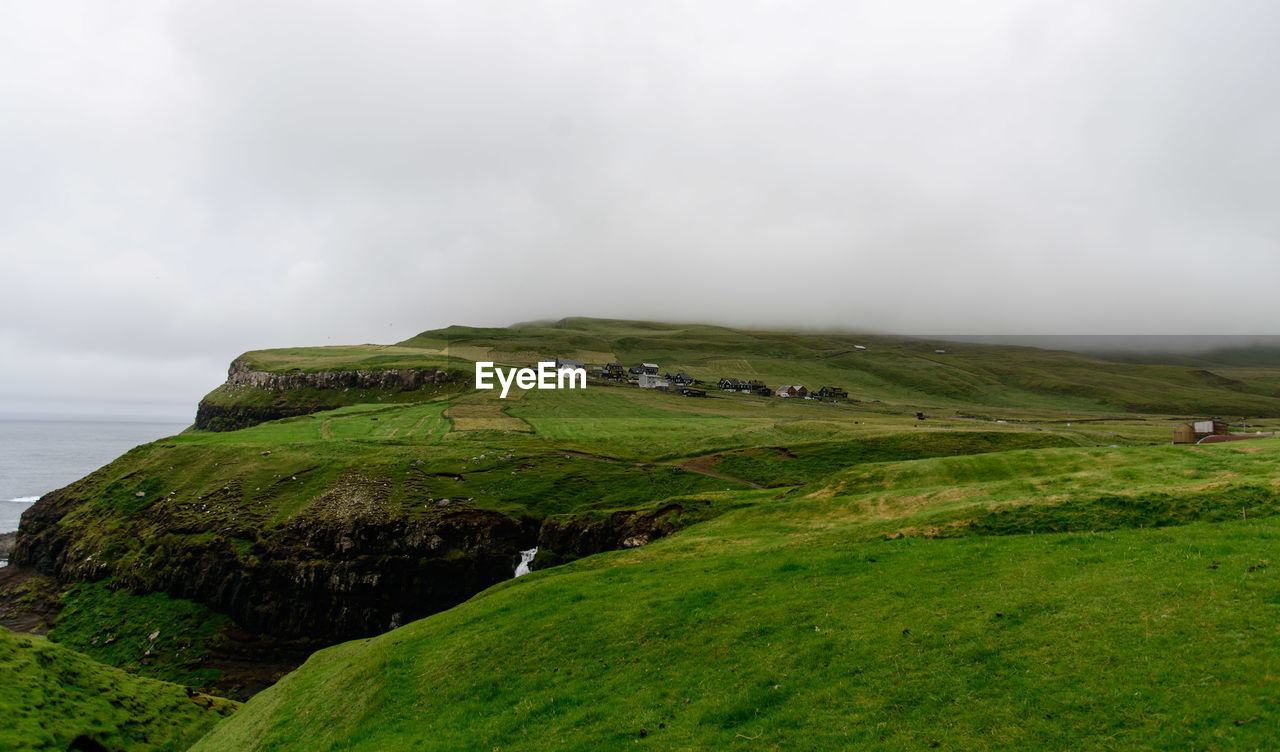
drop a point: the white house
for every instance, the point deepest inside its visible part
(650, 381)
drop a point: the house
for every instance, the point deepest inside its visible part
(651, 381)
(649, 368)
(831, 392)
(762, 390)
(691, 392)
(614, 371)
(680, 379)
(1198, 431)
(792, 390)
(564, 363)
(635, 370)
(734, 385)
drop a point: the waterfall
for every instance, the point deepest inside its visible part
(526, 558)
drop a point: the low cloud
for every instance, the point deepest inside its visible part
(186, 182)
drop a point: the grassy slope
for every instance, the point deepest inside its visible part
(611, 447)
(52, 695)
(892, 370)
(811, 622)
(608, 448)
(151, 635)
(630, 446)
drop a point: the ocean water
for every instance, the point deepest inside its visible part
(38, 455)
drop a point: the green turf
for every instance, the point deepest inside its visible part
(53, 696)
(799, 623)
(1038, 484)
(151, 635)
(891, 370)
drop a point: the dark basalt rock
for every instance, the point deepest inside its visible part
(211, 417)
(329, 579)
(583, 536)
(346, 566)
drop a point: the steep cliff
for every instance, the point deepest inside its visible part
(345, 567)
(322, 575)
(343, 525)
(249, 396)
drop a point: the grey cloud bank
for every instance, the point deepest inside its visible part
(187, 181)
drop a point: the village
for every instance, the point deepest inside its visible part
(647, 376)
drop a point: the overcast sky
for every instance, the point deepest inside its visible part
(183, 181)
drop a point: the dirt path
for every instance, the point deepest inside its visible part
(703, 465)
(596, 457)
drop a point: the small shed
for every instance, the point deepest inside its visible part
(1196, 431)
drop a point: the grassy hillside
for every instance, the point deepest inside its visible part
(837, 619)
(893, 370)
(55, 698)
(982, 472)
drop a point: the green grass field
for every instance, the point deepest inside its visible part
(54, 698)
(816, 623)
(893, 370)
(1031, 566)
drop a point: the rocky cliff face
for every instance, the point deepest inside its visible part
(317, 576)
(583, 536)
(341, 569)
(251, 397)
(240, 374)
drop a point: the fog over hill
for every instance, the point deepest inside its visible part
(185, 182)
(1155, 348)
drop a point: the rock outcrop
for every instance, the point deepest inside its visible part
(240, 374)
(579, 536)
(326, 578)
(342, 568)
(251, 397)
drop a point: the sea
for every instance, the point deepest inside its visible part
(39, 454)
